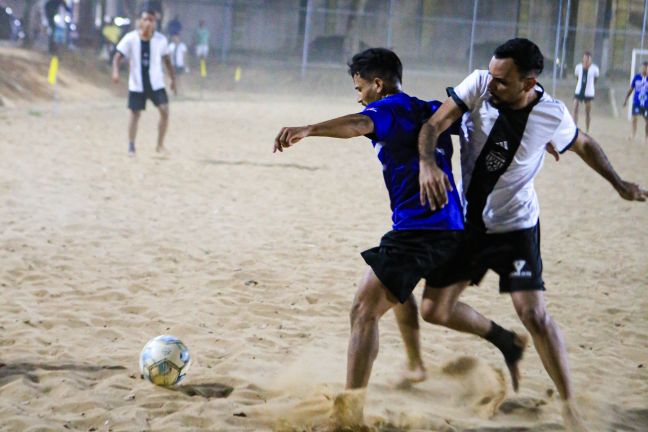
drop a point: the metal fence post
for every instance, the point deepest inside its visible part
(643, 27)
(390, 30)
(565, 36)
(557, 46)
(227, 29)
(472, 35)
(307, 29)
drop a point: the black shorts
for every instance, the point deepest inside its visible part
(583, 98)
(639, 110)
(514, 256)
(405, 257)
(137, 100)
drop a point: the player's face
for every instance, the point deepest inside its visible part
(507, 86)
(147, 23)
(644, 70)
(368, 91)
(587, 61)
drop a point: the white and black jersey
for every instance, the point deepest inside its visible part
(503, 150)
(145, 59)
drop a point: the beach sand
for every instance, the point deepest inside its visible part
(252, 259)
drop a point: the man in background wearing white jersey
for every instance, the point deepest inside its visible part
(586, 75)
(146, 50)
(512, 121)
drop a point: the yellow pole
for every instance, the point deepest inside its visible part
(237, 74)
(53, 70)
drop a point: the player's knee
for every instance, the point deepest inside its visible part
(365, 306)
(363, 312)
(535, 320)
(432, 313)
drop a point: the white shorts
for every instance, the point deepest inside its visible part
(202, 51)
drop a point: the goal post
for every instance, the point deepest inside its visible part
(637, 55)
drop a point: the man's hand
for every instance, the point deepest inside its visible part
(289, 136)
(115, 77)
(434, 185)
(174, 87)
(632, 192)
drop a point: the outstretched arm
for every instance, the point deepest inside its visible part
(592, 153)
(348, 126)
(433, 181)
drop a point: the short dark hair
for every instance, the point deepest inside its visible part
(377, 63)
(525, 54)
(587, 53)
(149, 12)
(644, 63)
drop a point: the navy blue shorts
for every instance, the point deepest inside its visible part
(137, 100)
(639, 110)
(405, 257)
(514, 256)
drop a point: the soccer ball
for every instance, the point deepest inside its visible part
(164, 361)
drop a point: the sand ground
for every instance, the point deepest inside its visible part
(252, 259)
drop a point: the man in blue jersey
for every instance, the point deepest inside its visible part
(423, 240)
(639, 86)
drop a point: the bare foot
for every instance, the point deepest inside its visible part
(162, 150)
(572, 418)
(411, 375)
(521, 341)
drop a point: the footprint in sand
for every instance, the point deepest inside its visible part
(480, 387)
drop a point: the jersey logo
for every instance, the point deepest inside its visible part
(371, 109)
(503, 144)
(495, 161)
(519, 266)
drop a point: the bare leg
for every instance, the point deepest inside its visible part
(162, 126)
(132, 129)
(576, 111)
(530, 307)
(588, 111)
(407, 319)
(371, 302)
(646, 131)
(634, 127)
(441, 306)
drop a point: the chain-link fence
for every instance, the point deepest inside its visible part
(429, 35)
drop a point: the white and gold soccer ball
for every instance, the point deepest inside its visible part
(164, 361)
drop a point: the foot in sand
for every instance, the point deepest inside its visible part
(521, 341)
(411, 375)
(348, 410)
(572, 418)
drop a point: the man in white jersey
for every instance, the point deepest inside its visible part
(512, 121)
(146, 50)
(586, 74)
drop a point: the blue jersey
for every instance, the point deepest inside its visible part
(397, 121)
(640, 85)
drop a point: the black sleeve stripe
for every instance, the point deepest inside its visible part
(571, 143)
(450, 91)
